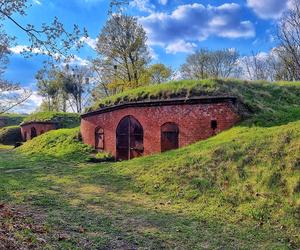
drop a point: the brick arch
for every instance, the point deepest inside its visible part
(129, 138)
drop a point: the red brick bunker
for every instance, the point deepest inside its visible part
(142, 128)
(32, 129)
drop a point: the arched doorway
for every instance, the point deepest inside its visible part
(169, 136)
(99, 138)
(130, 138)
(33, 132)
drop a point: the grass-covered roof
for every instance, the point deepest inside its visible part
(64, 120)
(269, 103)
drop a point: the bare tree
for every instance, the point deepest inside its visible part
(289, 37)
(256, 66)
(205, 63)
(196, 65)
(76, 85)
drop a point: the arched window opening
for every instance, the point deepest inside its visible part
(33, 132)
(169, 136)
(99, 139)
(130, 138)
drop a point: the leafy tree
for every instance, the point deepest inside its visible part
(123, 53)
(159, 73)
(64, 88)
(49, 86)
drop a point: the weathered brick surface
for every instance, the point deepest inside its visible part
(40, 128)
(194, 122)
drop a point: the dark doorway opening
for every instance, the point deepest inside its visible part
(99, 139)
(33, 132)
(169, 136)
(214, 124)
(130, 139)
(25, 136)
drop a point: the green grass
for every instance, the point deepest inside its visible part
(61, 143)
(269, 104)
(11, 119)
(65, 120)
(239, 189)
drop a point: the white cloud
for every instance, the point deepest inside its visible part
(163, 2)
(269, 9)
(30, 105)
(194, 22)
(180, 46)
(143, 5)
(90, 41)
(23, 48)
(76, 60)
(37, 2)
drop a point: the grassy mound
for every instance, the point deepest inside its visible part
(270, 103)
(10, 135)
(64, 120)
(61, 143)
(244, 174)
(11, 120)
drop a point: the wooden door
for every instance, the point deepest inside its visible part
(130, 139)
(99, 139)
(169, 136)
(33, 133)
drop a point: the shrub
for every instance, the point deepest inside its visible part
(10, 135)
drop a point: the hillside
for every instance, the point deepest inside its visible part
(266, 103)
(61, 143)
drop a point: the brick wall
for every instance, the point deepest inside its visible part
(40, 129)
(193, 120)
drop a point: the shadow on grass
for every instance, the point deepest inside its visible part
(99, 208)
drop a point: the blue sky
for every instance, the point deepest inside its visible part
(175, 27)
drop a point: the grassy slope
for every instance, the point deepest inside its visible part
(65, 120)
(61, 143)
(239, 189)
